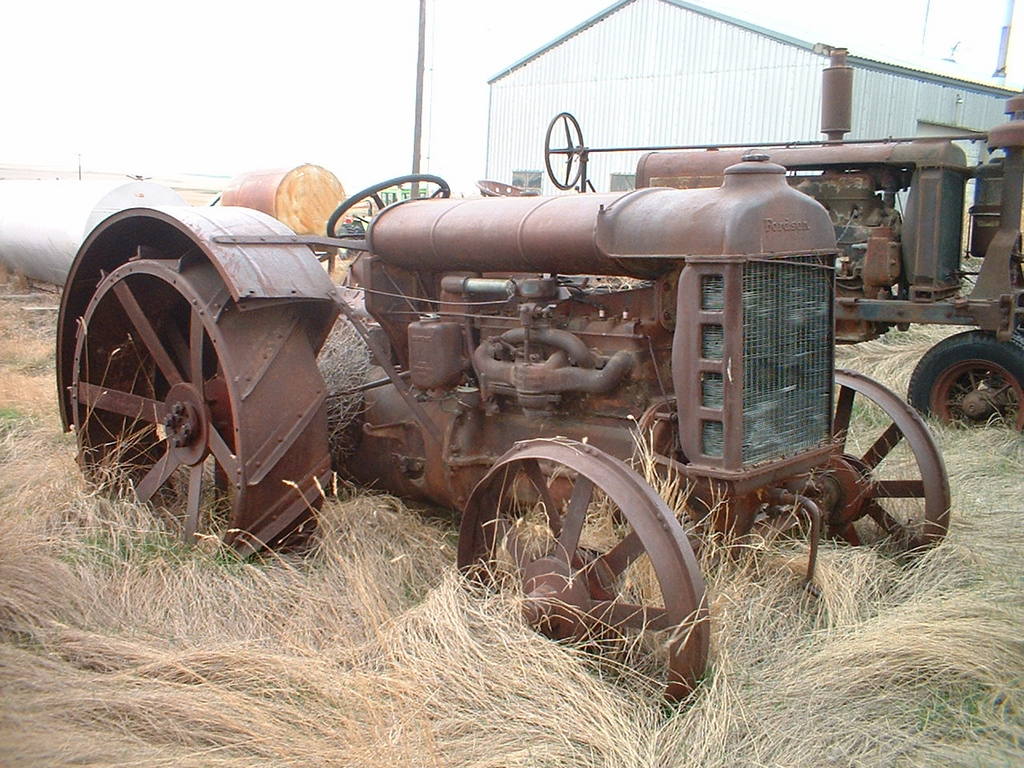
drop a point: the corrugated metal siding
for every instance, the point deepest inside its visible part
(655, 74)
(888, 104)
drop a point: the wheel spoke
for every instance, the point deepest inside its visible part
(619, 557)
(995, 393)
(844, 408)
(616, 615)
(195, 346)
(157, 476)
(899, 489)
(885, 443)
(575, 516)
(147, 333)
(887, 522)
(127, 404)
(225, 458)
(171, 335)
(849, 535)
(536, 476)
(195, 495)
(568, 134)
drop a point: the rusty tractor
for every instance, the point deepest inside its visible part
(895, 268)
(520, 345)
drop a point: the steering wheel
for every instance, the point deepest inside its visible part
(373, 193)
(575, 151)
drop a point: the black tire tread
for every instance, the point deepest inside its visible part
(975, 344)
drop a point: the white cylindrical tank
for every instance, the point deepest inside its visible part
(42, 223)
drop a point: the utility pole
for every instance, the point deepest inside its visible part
(1004, 43)
(924, 24)
(417, 132)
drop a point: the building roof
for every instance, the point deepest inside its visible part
(856, 61)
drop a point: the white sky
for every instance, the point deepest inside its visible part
(219, 86)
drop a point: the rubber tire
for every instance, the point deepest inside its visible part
(969, 345)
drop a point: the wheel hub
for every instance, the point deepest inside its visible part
(977, 390)
(978, 405)
(843, 490)
(555, 602)
(185, 424)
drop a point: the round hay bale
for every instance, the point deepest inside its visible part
(344, 362)
(302, 198)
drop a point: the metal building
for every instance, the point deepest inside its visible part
(668, 72)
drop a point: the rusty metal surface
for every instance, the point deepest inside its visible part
(836, 96)
(743, 349)
(490, 188)
(513, 341)
(1001, 271)
(164, 365)
(247, 272)
(570, 588)
(638, 234)
(664, 168)
(978, 390)
(584, 364)
(170, 376)
(301, 197)
(926, 483)
(255, 189)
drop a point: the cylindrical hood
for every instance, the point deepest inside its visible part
(639, 234)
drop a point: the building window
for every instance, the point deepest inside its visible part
(526, 179)
(622, 182)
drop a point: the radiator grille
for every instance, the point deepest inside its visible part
(787, 357)
(712, 438)
(712, 341)
(712, 292)
(712, 389)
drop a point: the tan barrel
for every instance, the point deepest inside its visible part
(302, 198)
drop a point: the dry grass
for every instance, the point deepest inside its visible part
(344, 362)
(118, 647)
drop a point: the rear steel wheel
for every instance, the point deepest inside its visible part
(179, 392)
(603, 561)
(888, 472)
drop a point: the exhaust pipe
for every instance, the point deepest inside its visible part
(836, 96)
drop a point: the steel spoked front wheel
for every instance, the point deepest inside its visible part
(598, 556)
(887, 479)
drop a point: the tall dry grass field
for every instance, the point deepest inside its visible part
(120, 647)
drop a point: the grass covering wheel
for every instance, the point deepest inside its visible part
(175, 390)
(971, 378)
(604, 562)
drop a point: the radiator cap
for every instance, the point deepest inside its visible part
(755, 162)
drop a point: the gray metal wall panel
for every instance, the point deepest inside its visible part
(655, 74)
(887, 104)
